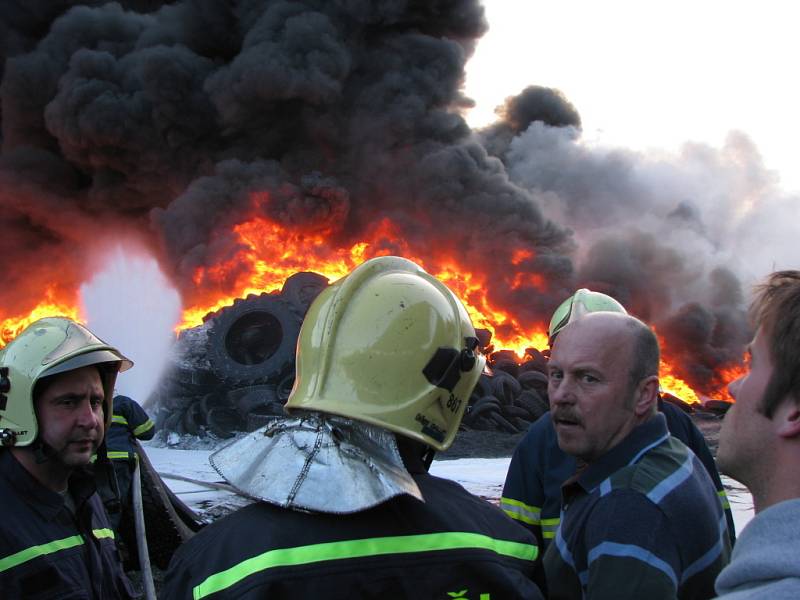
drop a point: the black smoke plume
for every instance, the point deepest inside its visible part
(172, 123)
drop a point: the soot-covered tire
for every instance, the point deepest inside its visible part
(254, 340)
(253, 398)
(301, 289)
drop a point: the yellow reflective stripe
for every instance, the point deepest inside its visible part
(146, 426)
(520, 511)
(119, 420)
(549, 527)
(103, 533)
(117, 454)
(302, 555)
(23, 556)
(724, 499)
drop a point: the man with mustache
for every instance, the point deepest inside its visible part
(640, 517)
(759, 445)
(532, 490)
(56, 385)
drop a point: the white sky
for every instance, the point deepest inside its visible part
(652, 76)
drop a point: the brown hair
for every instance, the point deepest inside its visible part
(776, 309)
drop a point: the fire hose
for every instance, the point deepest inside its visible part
(214, 485)
(141, 536)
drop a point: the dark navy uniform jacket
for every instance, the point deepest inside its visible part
(452, 546)
(532, 491)
(45, 550)
(129, 421)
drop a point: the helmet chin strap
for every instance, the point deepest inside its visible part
(105, 476)
(43, 451)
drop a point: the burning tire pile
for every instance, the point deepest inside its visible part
(236, 370)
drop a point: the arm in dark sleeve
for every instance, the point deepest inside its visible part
(136, 419)
(523, 491)
(682, 427)
(698, 445)
(179, 578)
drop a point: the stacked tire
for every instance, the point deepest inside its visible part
(512, 397)
(236, 369)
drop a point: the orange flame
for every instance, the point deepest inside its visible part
(726, 376)
(49, 307)
(674, 385)
(271, 253)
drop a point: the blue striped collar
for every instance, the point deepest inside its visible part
(642, 438)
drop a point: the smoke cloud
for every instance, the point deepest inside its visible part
(172, 123)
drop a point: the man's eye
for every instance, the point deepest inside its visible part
(96, 402)
(586, 378)
(556, 375)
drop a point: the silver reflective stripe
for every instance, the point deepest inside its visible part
(520, 511)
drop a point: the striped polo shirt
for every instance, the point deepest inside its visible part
(642, 521)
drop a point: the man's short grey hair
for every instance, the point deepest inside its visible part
(646, 354)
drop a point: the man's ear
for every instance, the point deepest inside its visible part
(787, 418)
(646, 398)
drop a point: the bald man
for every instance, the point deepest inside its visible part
(640, 517)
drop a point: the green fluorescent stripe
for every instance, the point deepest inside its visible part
(14, 560)
(119, 419)
(103, 533)
(302, 555)
(146, 426)
(520, 511)
(554, 521)
(724, 498)
(548, 535)
(115, 454)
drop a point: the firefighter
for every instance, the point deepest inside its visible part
(538, 468)
(129, 423)
(386, 361)
(56, 384)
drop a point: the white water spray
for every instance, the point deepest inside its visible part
(131, 305)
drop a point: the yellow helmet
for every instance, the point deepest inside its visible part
(48, 347)
(392, 346)
(580, 303)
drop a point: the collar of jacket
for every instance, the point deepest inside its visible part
(629, 450)
(47, 503)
